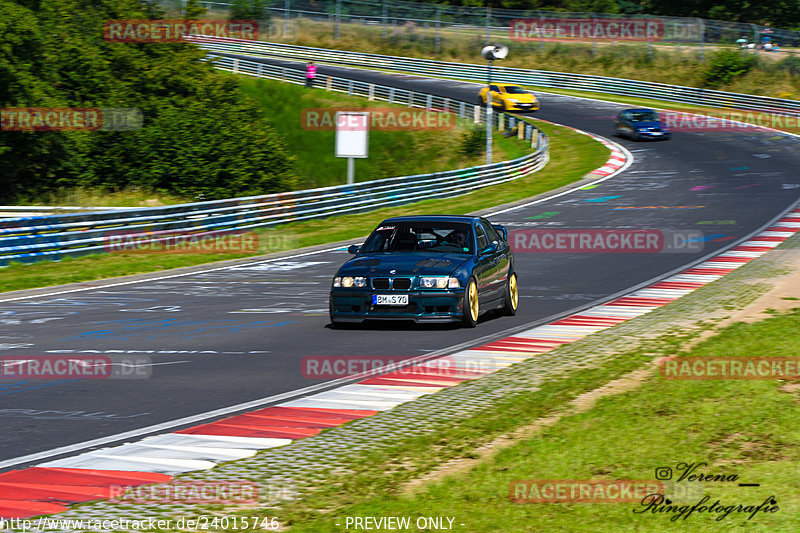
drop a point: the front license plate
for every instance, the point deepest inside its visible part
(390, 299)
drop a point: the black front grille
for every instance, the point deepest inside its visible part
(402, 284)
(380, 283)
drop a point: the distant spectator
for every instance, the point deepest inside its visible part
(311, 73)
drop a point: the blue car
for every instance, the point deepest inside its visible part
(641, 124)
(427, 269)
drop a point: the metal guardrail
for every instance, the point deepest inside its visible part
(477, 73)
(50, 237)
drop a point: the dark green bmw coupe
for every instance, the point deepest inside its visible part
(427, 269)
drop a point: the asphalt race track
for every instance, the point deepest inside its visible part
(223, 337)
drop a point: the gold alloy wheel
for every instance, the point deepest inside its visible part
(513, 291)
(473, 301)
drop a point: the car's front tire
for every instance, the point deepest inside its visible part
(471, 307)
(511, 301)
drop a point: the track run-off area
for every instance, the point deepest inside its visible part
(223, 341)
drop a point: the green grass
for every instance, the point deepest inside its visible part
(746, 428)
(391, 153)
(572, 155)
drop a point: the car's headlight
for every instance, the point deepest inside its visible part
(438, 282)
(349, 281)
(514, 100)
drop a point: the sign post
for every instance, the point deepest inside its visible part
(352, 128)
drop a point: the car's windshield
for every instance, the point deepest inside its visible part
(644, 116)
(513, 89)
(408, 236)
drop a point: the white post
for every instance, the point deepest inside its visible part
(489, 116)
(351, 170)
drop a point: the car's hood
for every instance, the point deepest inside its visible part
(647, 124)
(404, 264)
(522, 98)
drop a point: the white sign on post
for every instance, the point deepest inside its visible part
(352, 128)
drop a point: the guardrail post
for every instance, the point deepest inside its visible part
(429, 102)
(521, 130)
(283, 73)
(477, 118)
(501, 121)
(371, 94)
(235, 66)
(410, 98)
(462, 110)
(329, 85)
(258, 72)
(446, 105)
(391, 95)
(534, 138)
(350, 87)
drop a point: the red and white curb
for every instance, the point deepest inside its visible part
(50, 487)
(615, 162)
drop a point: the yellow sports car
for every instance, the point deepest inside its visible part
(510, 97)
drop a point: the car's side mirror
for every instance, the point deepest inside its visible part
(503, 231)
(486, 250)
(353, 249)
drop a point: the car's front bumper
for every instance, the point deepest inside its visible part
(654, 135)
(423, 306)
(522, 107)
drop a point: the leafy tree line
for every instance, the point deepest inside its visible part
(783, 14)
(199, 138)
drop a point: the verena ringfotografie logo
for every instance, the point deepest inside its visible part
(621, 241)
(70, 119)
(339, 366)
(188, 492)
(76, 367)
(181, 242)
(729, 368)
(174, 31)
(380, 119)
(582, 491)
(558, 29)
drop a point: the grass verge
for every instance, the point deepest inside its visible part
(744, 429)
(572, 155)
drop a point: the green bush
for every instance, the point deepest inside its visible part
(724, 66)
(473, 142)
(199, 137)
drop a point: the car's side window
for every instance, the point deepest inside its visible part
(494, 88)
(490, 232)
(483, 240)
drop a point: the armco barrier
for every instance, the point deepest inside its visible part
(43, 237)
(477, 73)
